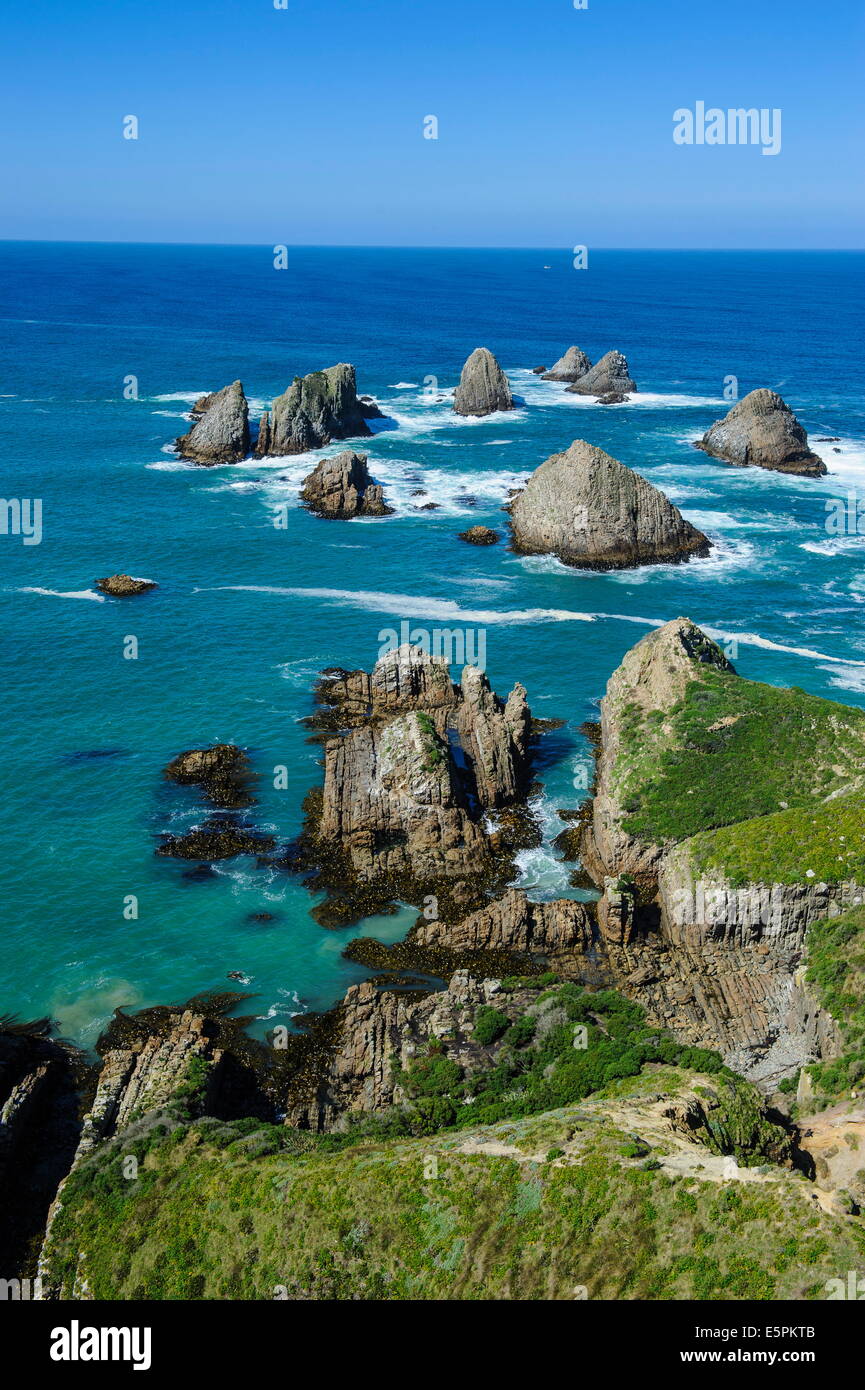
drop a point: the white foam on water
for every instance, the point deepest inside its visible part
(743, 521)
(415, 606)
(846, 679)
(403, 386)
(190, 396)
(290, 1004)
(173, 465)
(299, 673)
(68, 593)
(753, 639)
(683, 492)
(838, 545)
(170, 414)
(542, 873)
(847, 466)
(535, 391)
(456, 493)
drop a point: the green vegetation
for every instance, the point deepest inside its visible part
(836, 966)
(825, 844)
(489, 1025)
(434, 753)
(732, 750)
(217, 1213)
(541, 1064)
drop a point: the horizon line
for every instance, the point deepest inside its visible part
(413, 246)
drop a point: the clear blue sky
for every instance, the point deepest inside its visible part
(304, 125)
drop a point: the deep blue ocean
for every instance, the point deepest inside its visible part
(247, 612)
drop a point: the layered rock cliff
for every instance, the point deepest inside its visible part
(761, 431)
(595, 513)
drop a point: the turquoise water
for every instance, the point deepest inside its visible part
(247, 613)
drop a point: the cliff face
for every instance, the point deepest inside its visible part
(724, 968)
(39, 1129)
(381, 1032)
(761, 430)
(220, 428)
(652, 677)
(340, 488)
(720, 963)
(483, 386)
(595, 513)
(313, 411)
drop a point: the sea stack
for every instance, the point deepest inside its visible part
(574, 365)
(595, 513)
(340, 488)
(313, 411)
(762, 431)
(483, 386)
(220, 428)
(609, 377)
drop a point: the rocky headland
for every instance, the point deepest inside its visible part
(594, 512)
(723, 825)
(761, 431)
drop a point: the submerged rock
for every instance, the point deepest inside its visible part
(313, 411)
(124, 585)
(214, 840)
(762, 431)
(220, 428)
(479, 535)
(222, 772)
(593, 512)
(483, 386)
(340, 488)
(610, 376)
(571, 367)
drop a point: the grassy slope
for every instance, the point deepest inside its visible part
(733, 751)
(836, 966)
(207, 1218)
(823, 843)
